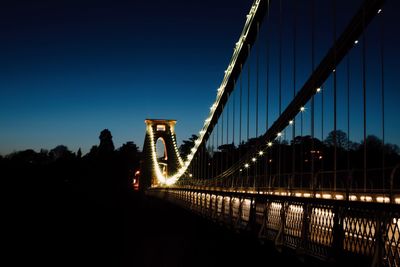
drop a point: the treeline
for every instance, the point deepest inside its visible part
(104, 171)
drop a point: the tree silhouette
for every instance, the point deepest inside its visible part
(106, 144)
(79, 153)
(129, 153)
(93, 151)
(341, 139)
(60, 152)
(187, 145)
(373, 142)
(392, 149)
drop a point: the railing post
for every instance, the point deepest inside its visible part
(230, 211)
(280, 236)
(300, 250)
(263, 227)
(252, 215)
(378, 258)
(337, 233)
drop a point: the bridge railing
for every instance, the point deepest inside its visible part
(383, 185)
(323, 228)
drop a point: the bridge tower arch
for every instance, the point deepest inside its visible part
(152, 165)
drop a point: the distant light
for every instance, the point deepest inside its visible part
(366, 198)
(353, 197)
(279, 134)
(241, 170)
(379, 11)
(246, 165)
(334, 70)
(260, 153)
(339, 197)
(318, 89)
(356, 42)
(291, 122)
(253, 159)
(269, 144)
(302, 109)
(383, 199)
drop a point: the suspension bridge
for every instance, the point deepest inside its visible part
(276, 156)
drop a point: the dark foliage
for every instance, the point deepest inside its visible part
(58, 199)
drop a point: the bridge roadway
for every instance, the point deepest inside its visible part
(65, 228)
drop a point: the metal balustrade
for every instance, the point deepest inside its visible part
(322, 228)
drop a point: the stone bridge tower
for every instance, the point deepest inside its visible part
(169, 163)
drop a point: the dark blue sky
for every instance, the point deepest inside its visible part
(72, 68)
(69, 69)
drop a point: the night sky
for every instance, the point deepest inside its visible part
(70, 69)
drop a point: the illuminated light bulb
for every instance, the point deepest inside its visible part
(318, 89)
(260, 153)
(291, 122)
(334, 70)
(190, 175)
(302, 109)
(253, 159)
(269, 144)
(379, 11)
(383, 199)
(279, 134)
(356, 42)
(241, 170)
(246, 165)
(326, 196)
